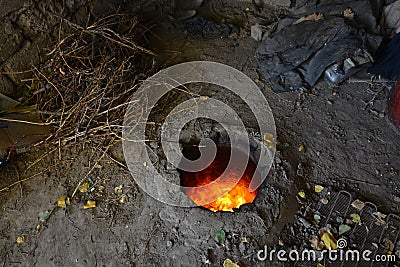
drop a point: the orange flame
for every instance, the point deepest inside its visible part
(225, 199)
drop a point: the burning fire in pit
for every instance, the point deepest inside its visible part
(224, 199)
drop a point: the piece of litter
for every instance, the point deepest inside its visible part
(316, 243)
(313, 17)
(324, 201)
(348, 13)
(257, 32)
(358, 204)
(379, 215)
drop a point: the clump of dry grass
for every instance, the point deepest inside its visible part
(89, 78)
(84, 87)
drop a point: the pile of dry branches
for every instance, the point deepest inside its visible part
(83, 89)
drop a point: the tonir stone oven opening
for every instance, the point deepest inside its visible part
(227, 198)
(202, 155)
(222, 181)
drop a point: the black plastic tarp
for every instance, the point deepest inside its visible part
(296, 55)
(388, 63)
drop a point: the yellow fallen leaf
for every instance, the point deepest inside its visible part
(101, 188)
(230, 263)
(21, 239)
(320, 265)
(302, 194)
(83, 188)
(63, 201)
(244, 240)
(203, 97)
(118, 190)
(123, 199)
(269, 140)
(302, 149)
(329, 240)
(318, 188)
(90, 204)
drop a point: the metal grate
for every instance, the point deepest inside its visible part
(379, 235)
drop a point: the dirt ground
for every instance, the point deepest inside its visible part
(349, 145)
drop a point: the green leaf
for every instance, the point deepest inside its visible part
(230, 263)
(344, 228)
(355, 218)
(220, 237)
(43, 216)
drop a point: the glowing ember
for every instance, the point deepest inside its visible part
(224, 200)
